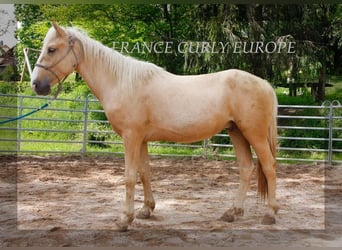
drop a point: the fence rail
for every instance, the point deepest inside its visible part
(79, 126)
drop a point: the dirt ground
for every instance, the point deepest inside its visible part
(74, 201)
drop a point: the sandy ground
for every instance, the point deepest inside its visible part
(74, 201)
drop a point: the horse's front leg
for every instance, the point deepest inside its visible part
(132, 161)
(145, 176)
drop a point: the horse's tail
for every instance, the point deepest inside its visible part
(272, 142)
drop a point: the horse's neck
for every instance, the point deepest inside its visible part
(109, 73)
(97, 77)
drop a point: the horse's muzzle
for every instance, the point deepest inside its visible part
(41, 88)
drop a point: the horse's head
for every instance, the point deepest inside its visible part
(57, 60)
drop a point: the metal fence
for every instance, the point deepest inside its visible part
(79, 126)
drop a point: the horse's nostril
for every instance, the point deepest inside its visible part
(35, 83)
(41, 87)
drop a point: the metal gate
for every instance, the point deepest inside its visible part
(79, 126)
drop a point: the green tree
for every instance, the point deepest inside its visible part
(32, 31)
(316, 29)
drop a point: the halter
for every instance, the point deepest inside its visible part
(49, 68)
(60, 81)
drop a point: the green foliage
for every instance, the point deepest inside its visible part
(8, 74)
(285, 99)
(30, 37)
(316, 29)
(335, 93)
(8, 87)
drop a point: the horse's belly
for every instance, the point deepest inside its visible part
(188, 112)
(185, 132)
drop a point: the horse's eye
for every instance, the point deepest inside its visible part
(51, 50)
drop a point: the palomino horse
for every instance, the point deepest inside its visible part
(143, 102)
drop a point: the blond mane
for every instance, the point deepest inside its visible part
(127, 72)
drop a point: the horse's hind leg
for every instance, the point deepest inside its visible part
(246, 167)
(267, 162)
(145, 176)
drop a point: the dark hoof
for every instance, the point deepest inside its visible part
(120, 227)
(144, 213)
(268, 220)
(228, 216)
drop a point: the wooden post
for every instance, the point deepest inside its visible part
(23, 73)
(27, 60)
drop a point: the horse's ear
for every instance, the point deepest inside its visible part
(60, 31)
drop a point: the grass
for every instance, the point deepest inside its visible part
(334, 93)
(304, 97)
(284, 99)
(9, 135)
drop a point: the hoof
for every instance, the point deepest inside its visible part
(144, 213)
(228, 217)
(123, 223)
(268, 220)
(231, 214)
(121, 227)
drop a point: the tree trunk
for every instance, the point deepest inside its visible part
(321, 83)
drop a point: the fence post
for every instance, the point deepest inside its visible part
(330, 145)
(19, 123)
(85, 126)
(205, 147)
(331, 105)
(331, 128)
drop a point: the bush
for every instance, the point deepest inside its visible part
(8, 74)
(8, 87)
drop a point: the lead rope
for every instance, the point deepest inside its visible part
(37, 109)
